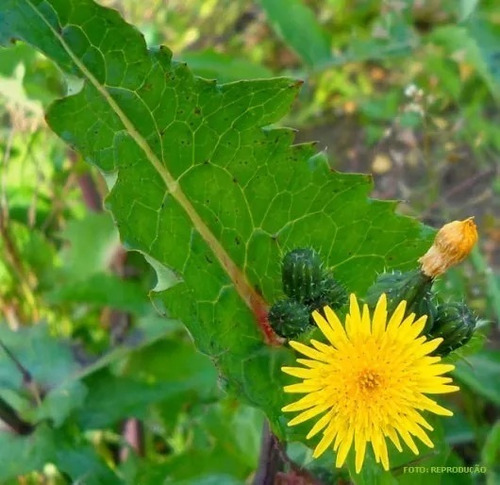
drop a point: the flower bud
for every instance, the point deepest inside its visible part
(301, 274)
(453, 243)
(455, 324)
(412, 286)
(329, 292)
(289, 318)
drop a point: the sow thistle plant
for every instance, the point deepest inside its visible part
(369, 381)
(204, 184)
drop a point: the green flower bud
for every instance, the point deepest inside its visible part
(301, 274)
(412, 286)
(329, 292)
(455, 323)
(289, 318)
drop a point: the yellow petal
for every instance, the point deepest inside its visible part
(320, 424)
(310, 413)
(299, 372)
(397, 317)
(379, 319)
(336, 325)
(307, 351)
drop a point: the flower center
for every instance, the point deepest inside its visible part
(369, 380)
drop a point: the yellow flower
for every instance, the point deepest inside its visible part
(369, 382)
(453, 243)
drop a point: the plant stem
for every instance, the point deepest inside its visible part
(90, 192)
(271, 458)
(25, 279)
(9, 416)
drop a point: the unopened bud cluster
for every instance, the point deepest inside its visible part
(308, 287)
(453, 322)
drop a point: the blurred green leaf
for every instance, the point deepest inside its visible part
(223, 67)
(34, 254)
(457, 429)
(371, 473)
(48, 360)
(102, 290)
(22, 454)
(428, 457)
(467, 8)
(480, 373)
(454, 460)
(92, 242)
(490, 455)
(462, 45)
(486, 34)
(391, 35)
(298, 27)
(211, 480)
(81, 463)
(492, 281)
(12, 57)
(135, 397)
(219, 446)
(176, 362)
(60, 402)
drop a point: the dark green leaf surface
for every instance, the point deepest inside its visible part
(209, 196)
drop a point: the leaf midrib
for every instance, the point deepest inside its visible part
(247, 293)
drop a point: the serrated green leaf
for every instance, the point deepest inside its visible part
(204, 190)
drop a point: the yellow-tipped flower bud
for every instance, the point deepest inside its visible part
(453, 243)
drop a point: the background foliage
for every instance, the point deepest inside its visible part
(117, 393)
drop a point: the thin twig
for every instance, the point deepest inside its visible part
(90, 192)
